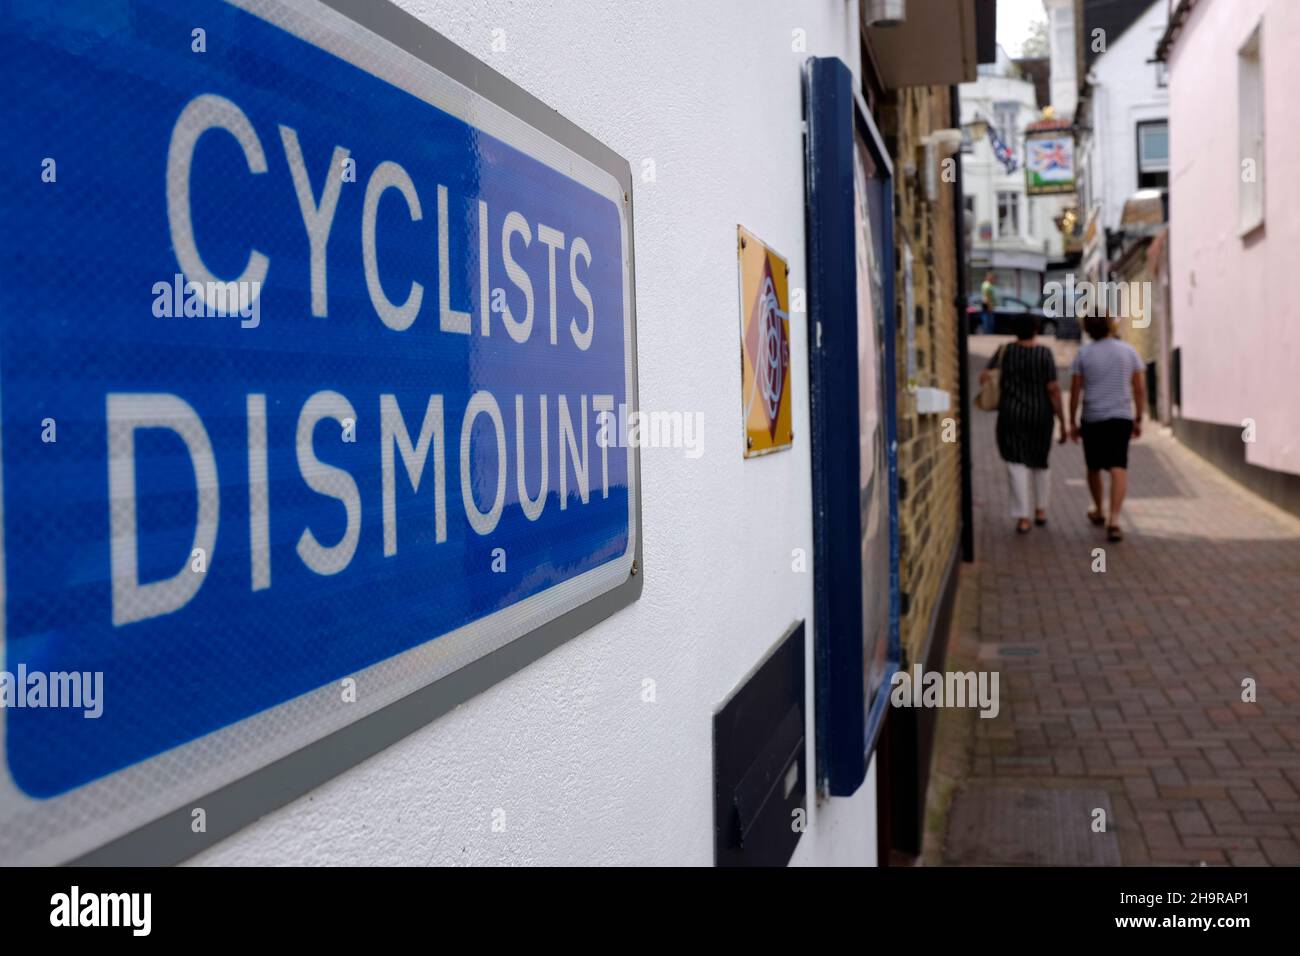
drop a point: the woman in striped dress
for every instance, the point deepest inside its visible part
(1029, 398)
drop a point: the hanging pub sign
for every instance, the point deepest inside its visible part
(764, 346)
(1049, 161)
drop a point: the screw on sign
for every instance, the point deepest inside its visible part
(765, 347)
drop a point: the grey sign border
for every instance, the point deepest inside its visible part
(170, 839)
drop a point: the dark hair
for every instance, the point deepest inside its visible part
(1025, 326)
(1097, 327)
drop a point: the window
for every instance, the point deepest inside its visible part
(1250, 136)
(1153, 155)
(1008, 214)
(1162, 74)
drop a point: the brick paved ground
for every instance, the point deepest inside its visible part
(1128, 682)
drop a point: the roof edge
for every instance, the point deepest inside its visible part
(1177, 18)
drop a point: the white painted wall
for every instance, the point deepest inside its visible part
(585, 771)
(982, 175)
(1063, 80)
(1126, 93)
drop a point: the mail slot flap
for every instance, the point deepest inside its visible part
(759, 761)
(768, 773)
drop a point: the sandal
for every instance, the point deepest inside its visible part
(1040, 520)
(1113, 533)
(1022, 528)
(1097, 518)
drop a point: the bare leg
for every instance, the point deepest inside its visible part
(1094, 486)
(1118, 487)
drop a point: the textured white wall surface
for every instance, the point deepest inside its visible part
(584, 770)
(1127, 94)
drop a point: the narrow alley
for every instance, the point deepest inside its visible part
(1123, 690)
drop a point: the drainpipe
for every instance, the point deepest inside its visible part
(963, 347)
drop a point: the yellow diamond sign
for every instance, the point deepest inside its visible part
(764, 346)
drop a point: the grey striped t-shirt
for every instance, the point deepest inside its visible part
(1107, 368)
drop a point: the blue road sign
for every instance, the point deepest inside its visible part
(307, 354)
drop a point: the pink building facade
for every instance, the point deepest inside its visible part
(1234, 212)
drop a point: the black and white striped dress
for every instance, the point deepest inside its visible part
(1024, 409)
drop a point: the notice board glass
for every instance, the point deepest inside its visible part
(873, 467)
(852, 415)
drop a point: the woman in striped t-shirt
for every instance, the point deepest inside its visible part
(1107, 379)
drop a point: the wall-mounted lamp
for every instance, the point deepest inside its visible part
(885, 13)
(937, 146)
(946, 141)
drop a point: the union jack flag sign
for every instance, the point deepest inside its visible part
(1049, 156)
(1049, 163)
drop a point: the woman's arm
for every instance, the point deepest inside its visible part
(1076, 396)
(1054, 394)
(1139, 401)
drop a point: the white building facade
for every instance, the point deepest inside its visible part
(1063, 54)
(1123, 140)
(1008, 231)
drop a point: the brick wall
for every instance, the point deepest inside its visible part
(929, 468)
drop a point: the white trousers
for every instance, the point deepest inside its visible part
(1024, 482)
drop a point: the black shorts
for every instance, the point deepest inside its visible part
(1105, 443)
